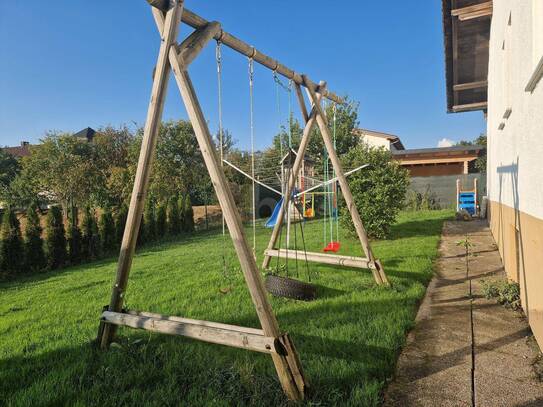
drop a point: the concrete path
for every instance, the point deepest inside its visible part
(441, 365)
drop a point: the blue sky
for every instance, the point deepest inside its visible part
(66, 65)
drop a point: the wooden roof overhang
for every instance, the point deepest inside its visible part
(466, 28)
(447, 155)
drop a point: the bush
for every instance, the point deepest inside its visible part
(174, 226)
(181, 211)
(91, 238)
(120, 222)
(106, 229)
(378, 190)
(188, 215)
(34, 254)
(415, 201)
(161, 223)
(74, 237)
(11, 251)
(55, 239)
(142, 237)
(505, 292)
(150, 220)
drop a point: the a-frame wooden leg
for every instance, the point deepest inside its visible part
(288, 369)
(139, 191)
(377, 269)
(310, 122)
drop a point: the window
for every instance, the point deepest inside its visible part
(537, 45)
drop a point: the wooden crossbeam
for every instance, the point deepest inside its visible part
(230, 335)
(324, 258)
(195, 21)
(470, 85)
(470, 106)
(475, 11)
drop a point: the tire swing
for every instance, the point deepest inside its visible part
(279, 282)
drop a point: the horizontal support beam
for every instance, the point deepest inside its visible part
(438, 160)
(325, 258)
(471, 85)
(230, 335)
(470, 106)
(195, 21)
(465, 12)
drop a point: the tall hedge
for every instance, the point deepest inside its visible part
(106, 228)
(174, 226)
(150, 220)
(34, 255)
(188, 215)
(378, 190)
(75, 250)
(91, 238)
(11, 251)
(161, 221)
(120, 221)
(55, 241)
(181, 212)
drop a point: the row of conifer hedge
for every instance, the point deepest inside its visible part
(83, 235)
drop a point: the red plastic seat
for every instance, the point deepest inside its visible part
(332, 247)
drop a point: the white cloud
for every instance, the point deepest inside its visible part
(445, 142)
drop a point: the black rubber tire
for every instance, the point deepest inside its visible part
(285, 287)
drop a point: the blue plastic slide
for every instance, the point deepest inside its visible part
(273, 218)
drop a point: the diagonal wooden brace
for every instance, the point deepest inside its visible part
(378, 272)
(195, 42)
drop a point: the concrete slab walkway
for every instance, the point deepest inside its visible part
(466, 349)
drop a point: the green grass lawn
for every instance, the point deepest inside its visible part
(348, 339)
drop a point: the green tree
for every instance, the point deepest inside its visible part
(181, 212)
(34, 254)
(106, 228)
(480, 162)
(9, 168)
(378, 190)
(150, 220)
(74, 236)
(188, 215)
(174, 227)
(91, 238)
(120, 222)
(11, 252)
(161, 221)
(55, 239)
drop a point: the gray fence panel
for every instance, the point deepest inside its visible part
(444, 186)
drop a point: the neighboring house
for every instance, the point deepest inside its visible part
(426, 162)
(86, 134)
(504, 38)
(379, 139)
(19, 151)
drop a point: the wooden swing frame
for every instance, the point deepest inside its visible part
(168, 15)
(318, 115)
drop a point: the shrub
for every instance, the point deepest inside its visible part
(142, 237)
(505, 292)
(74, 237)
(161, 223)
(34, 254)
(120, 221)
(415, 201)
(181, 211)
(188, 215)
(55, 239)
(173, 217)
(11, 252)
(91, 238)
(378, 190)
(106, 229)
(150, 220)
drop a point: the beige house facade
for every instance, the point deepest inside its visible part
(494, 63)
